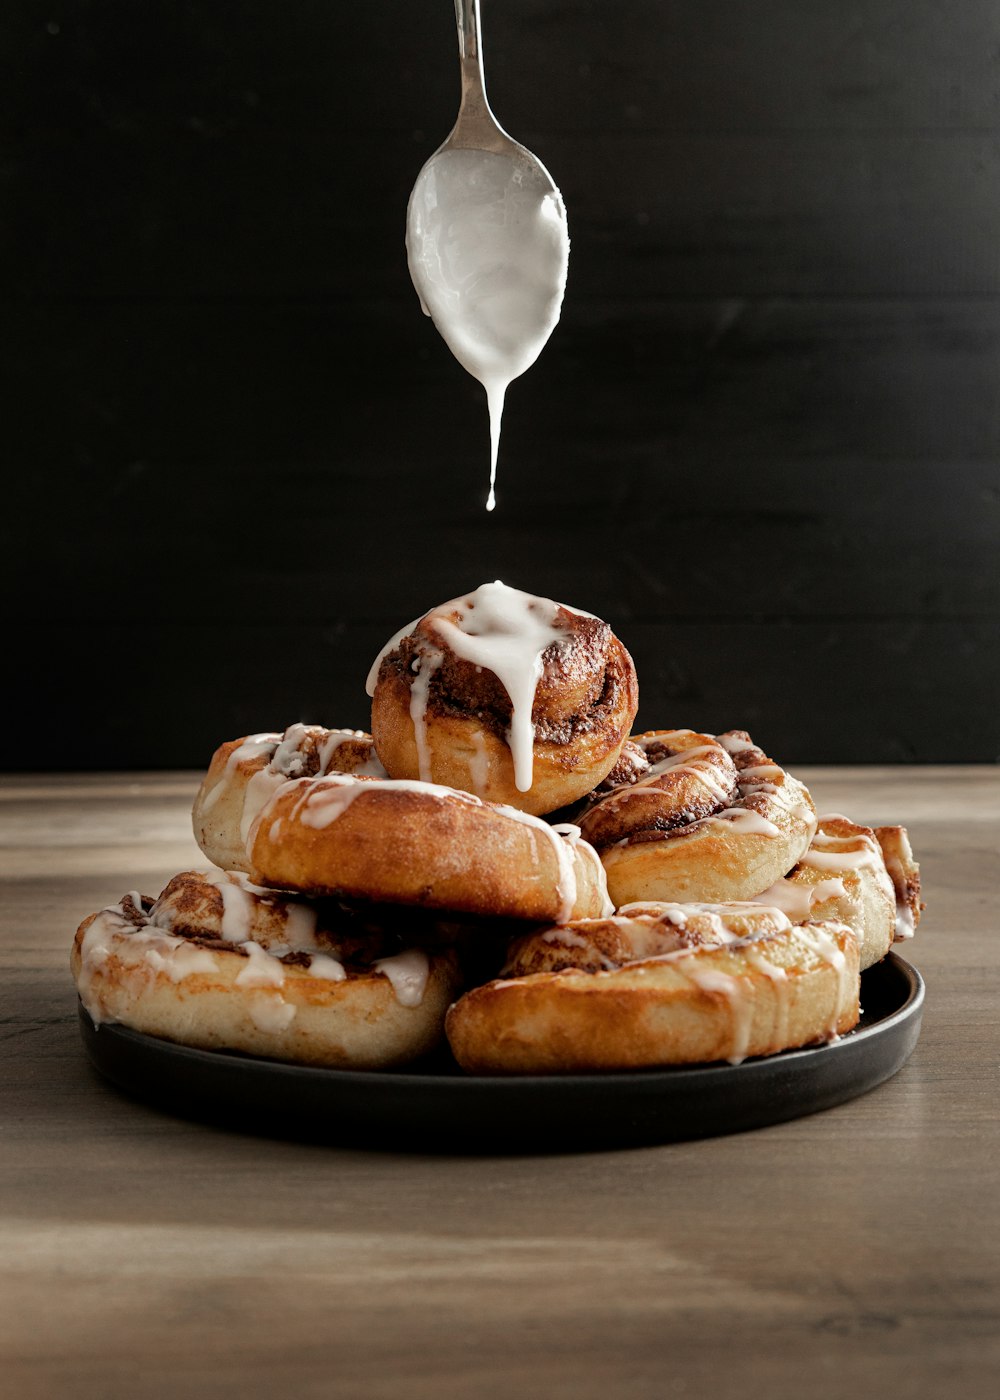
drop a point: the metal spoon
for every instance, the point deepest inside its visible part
(486, 240)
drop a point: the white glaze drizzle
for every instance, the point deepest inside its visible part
(797, 897)
(507, 632)
(825, 946)
(250, 749)
(502, 630)
(732, 745)
(688, 761)
(181, 961)
(324, 799)
(424, 667)
(271, 1014)
(479, 764)
(778, 978)
(906, 924)
(408, 973)
(288, 761)
(328, 968)
(156, 949)
(739, 995)
(237, 904)
(261, 970)
(745, 820)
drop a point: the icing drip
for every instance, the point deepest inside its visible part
(905, 923)
(502, 630)
(741, 1002)
(713, 920)
(237, 904)
(507, 632)
(272, 1015)
(571, 833)
(180, 961)
(825, 946)
(867, 854)
(149, 946)
(796, 898)
(425, 667)
(778, 978)
(744, 820)
(408, 973)
(479, 764)
(251, 748)
(261, 970)
(330, 969)
(733, 745)
(323, 800)
(288, 761)
(563, 839)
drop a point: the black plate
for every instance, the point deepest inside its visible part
(434, 1107)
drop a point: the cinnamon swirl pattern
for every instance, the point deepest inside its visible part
(687, 816)
(660, 984)
(217, 963)
(517, 699)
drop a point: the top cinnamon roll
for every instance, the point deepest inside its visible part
(518, 699)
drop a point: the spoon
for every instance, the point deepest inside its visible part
(486, 241)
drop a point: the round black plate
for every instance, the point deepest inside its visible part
(433, 1107)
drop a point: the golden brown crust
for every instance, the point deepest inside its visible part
(425, 845)
(276, 978)
(904, 872)
(842, 876)
(244, 773)
(585, 701)
(709, 818)
(698, 1000)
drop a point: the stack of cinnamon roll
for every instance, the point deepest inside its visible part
(500, 865)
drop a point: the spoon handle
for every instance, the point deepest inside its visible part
(476, 125)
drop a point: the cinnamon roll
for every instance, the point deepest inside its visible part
(409, 842)
(844, 875)
(517, 699)
(219, 964)
(904, 872)
(664, 984)
(244, 774)
(685, 816)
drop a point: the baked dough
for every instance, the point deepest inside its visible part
(674, 984)
(844, 876)
(219, 964)
(686, 816)
(404, 842)
(244, 773)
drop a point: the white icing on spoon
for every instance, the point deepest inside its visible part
(487, 242)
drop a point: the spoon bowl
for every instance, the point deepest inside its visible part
(486, 240)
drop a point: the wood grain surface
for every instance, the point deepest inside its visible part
(144, 1257)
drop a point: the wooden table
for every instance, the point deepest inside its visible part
(853, 1252)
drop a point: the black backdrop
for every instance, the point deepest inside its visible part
(763, 441)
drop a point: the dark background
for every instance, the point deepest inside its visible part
(763, 441)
